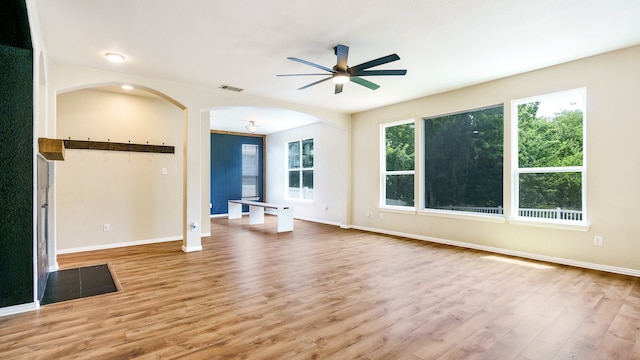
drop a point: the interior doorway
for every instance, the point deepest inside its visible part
(43, 225)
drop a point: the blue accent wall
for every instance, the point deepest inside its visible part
(226, 169)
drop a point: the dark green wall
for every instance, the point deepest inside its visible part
(16, 155)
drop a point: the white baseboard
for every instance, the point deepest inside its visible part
(275, 213)
(191, 248)
(319, 221)
(53, 267)
(17, 309)
(551, 259)
(117, 245)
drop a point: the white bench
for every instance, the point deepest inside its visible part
(256, 213)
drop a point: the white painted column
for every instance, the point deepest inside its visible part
(192, 186)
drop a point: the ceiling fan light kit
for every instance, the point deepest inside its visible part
(342, 74)
(341, 78)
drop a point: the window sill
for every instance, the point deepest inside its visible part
(397, 209)
(461, 215)
(562, 225)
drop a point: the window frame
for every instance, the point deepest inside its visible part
(300, 171)
(383, 167)
(256, 193)
(516, 171)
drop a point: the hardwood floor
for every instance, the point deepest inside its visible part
(322, 292)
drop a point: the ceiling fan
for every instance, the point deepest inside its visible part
(342, 74)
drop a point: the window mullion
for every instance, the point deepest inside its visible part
(542, 170)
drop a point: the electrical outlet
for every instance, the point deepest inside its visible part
(597, 240)
(105, 227)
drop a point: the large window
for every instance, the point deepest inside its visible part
(300, 169)
(463, 161)
(398, 164)
(549, 157)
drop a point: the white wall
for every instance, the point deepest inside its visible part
(331, 172)
(126, 190)
(613, 166)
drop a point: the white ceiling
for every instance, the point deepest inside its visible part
(268, 120)
(443, 44)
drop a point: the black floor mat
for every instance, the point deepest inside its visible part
(78, 283)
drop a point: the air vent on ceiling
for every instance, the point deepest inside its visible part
(230, 88)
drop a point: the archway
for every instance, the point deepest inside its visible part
(138, 192)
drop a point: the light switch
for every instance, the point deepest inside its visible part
(164, 171)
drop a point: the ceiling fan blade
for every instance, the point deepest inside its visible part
(339, 88)
(342, 52)
(314, 83)
(365, 83)
(376, 62)
(378, 72)
(311, 64)
(300, 74)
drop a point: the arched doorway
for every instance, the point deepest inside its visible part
(117, 198)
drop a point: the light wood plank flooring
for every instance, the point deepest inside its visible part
(322, 292)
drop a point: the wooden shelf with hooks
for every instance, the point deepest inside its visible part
(53, 149)
(117, 146)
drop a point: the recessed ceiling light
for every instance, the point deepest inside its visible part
(126, 87)
(115, 58)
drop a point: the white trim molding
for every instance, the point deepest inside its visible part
(522, 254)
(319, 221)
(118, 245)
(191, 248)
(17, 309)
(53, 267)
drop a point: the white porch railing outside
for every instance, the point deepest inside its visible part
(557, 213)
(482, 210)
